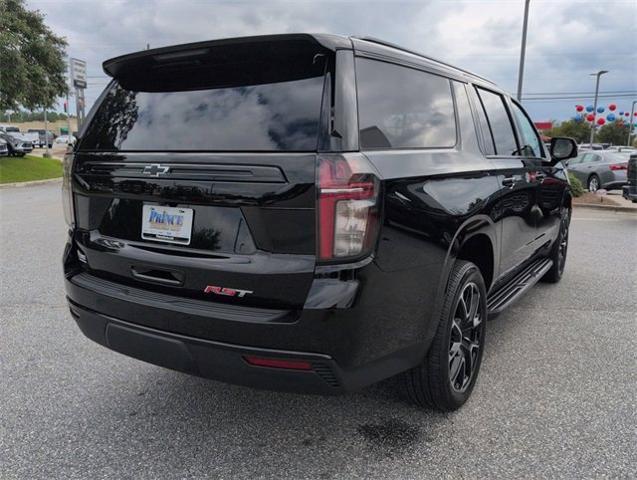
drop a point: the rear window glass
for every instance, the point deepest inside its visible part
(400, 107)
(249, 115)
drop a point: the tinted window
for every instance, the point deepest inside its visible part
(400, 107)
(465, 118)
(277, 114)
(531, 146)
(499, 121)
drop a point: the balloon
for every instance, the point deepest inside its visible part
(627, 114)
(600, 109)
(635, 114)
(601, 121)
(612, 107)
(590, 108)
(590, 117)
(578, 118)
(621, 113)
(610, 117)
(579, 108)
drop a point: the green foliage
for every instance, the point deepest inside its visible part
(32, 59)
(37, 116)
(614, 133)
(580, 131)
(577, 189)
(24, 169)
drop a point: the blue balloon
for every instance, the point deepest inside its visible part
(621, 113)
(610, 117)
(590, 108)
(578, 118)
(600, 109)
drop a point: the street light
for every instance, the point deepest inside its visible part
(598, 74)
(523, 49)
(631, 121)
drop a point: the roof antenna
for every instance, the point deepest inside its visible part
(148, 46)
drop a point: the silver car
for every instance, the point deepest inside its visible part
(599, 169)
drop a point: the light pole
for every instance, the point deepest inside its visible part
(631, 121)
(523, 50)
(598, 74)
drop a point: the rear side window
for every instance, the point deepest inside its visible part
(400, 107)
(258, 106)
(499, 122)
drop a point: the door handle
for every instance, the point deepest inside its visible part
(508, 182)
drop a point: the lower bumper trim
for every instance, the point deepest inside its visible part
(209, 359)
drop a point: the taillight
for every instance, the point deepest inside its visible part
(67, 191)
(619, 166)
(347, 206)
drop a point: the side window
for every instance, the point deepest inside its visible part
(400, 107)
(489, 146)
(531, 145)
(499, 121)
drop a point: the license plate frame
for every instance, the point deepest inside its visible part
(167, 224)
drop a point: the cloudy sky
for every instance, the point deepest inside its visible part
(567, 39)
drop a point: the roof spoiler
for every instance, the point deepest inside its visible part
(190, 53)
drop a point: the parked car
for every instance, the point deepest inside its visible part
(17, 145)
(303, 227)
(629, 191)
(4, 149)
(43, 137)
(600, 169)
(589, 146)
(32, 137)
(65, 139)
(9, 129)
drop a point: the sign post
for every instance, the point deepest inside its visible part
(77, 70)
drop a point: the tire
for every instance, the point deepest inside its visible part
(430, 384)
(594, 183)
(559, 251)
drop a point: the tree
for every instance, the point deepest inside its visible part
(580, 131)
(615, 133)
(32, 59)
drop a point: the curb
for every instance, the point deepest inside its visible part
(31, 183)
(613, 208)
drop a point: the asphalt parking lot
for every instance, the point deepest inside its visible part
(556, 397)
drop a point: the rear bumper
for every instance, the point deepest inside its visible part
(629, 192)
(205, 358)
(345, 347)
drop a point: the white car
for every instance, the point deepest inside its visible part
(65, 139)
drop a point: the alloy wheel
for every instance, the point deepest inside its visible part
(465, 339)
(593, 184)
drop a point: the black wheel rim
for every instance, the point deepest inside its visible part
(466, 338)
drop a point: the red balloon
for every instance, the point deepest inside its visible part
(635, 114)
(579, 108)
(612, 107)
(601, 121)
(590, 117)
(627, 114)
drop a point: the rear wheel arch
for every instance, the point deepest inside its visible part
(479, 250)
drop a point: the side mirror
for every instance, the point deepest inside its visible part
(562, 148)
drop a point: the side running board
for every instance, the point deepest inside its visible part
(517, 286)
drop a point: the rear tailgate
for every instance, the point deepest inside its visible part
(252, 224)
(221, 147)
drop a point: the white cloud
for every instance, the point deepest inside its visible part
(567, 39)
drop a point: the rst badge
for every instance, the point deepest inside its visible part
(228, 292)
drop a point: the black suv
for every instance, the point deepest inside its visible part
(308, 212)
